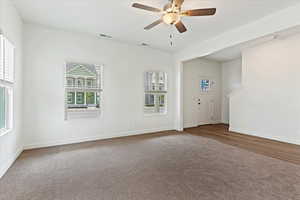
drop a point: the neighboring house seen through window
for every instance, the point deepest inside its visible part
(83, 87)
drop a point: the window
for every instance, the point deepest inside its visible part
(83, 87)
(155, 87)
(90, 98)
(6, 84)
(71, 98)
(90, 83)
(80, 82)
(70, 82)
(80, 98)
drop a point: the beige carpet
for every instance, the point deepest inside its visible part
(152, 167)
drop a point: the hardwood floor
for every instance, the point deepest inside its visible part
(271, 148)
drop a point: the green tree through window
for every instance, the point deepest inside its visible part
(162, 100)
(90, 98)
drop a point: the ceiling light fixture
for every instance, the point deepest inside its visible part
(171, 14)
(171, 18)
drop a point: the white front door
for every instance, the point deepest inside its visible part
(204, 104)
(199, 106)
(205, 100)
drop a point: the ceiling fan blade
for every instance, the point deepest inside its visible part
(180, 27)
(144, 7)
(178, 3)
(153, 24)
(199, 12)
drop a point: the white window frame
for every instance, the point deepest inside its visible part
(7, 81)
(156, 92)
(84, 113)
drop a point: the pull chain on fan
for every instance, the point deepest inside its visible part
(171, 39)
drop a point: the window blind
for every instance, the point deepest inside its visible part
(1, 57)
(8, 61)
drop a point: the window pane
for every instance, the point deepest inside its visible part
(90, 98)
(2, 107)
(89, 83)
(71, 98)
(161, 100)
(80, 82)
(150, 81)
(80, 98)
(155, 81)
(162, 81)
(70, 81)
(149, 100)
(98, 100)
(162, 103)
(149, 103)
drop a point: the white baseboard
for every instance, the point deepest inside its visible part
(192, 124)
(224, 122)
(93, 138)
(216, 122)
(261, 135)
(6, 165)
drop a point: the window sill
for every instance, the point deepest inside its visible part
(154, 114)
(82, 113)
(83, 110)
(4, 131)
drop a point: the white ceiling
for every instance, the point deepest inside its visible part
(118, 19)
(235, 52)
(226, 54)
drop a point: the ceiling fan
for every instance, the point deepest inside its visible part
(172, 13)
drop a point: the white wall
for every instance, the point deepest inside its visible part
(45, 52)
(270, 24)
(193, 72)
(11, 143)
(268, 103)
(231, 80)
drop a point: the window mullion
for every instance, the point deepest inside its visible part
(156, 97)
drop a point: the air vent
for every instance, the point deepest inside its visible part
(105, 36)
(145, 44)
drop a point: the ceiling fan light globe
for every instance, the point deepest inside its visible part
(171, 18)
